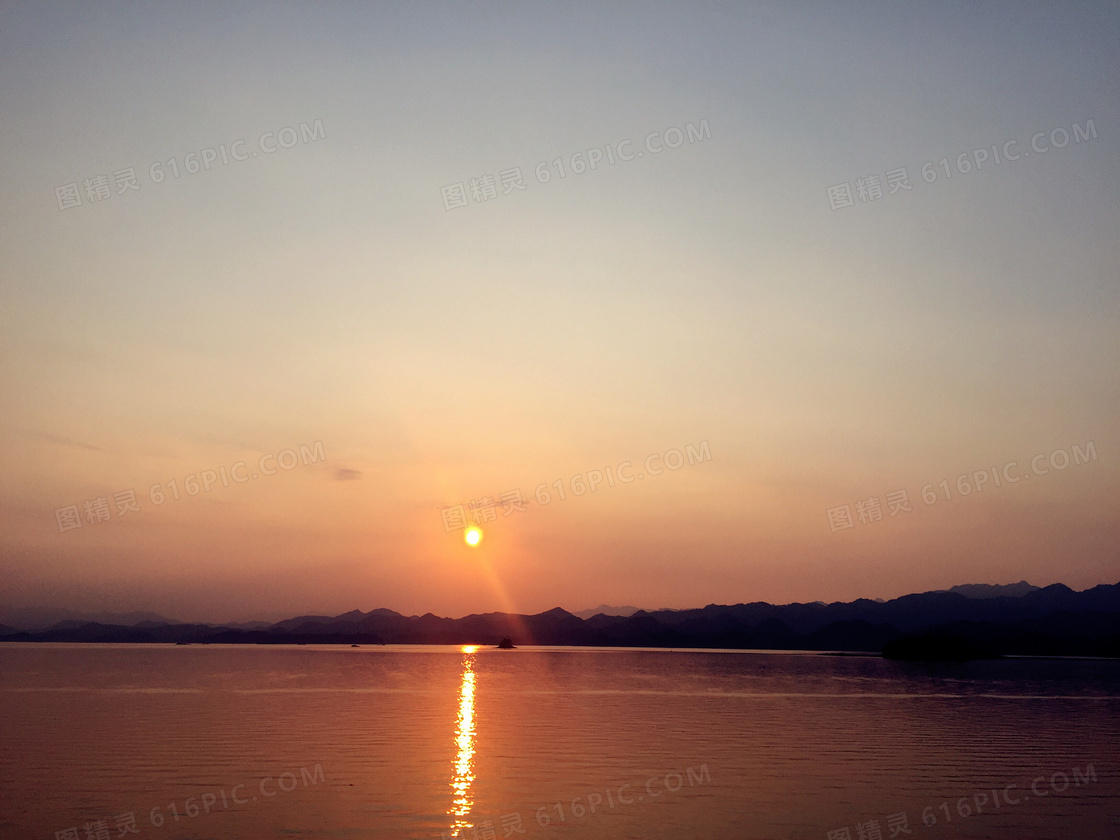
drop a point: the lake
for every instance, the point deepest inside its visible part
(247, 742)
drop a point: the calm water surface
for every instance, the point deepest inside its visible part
(422, 742)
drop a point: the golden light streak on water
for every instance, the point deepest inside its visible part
(462, 800)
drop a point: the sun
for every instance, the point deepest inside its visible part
(473, 536)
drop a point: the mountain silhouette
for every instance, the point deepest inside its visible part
(1018, 619)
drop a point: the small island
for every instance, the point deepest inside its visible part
(506, 644)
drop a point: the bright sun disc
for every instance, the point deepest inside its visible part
(473, 536)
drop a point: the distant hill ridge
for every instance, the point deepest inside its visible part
(986, 590)
(1012, 619)
(606, 609)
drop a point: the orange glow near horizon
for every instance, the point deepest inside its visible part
(462, 799)
(670, 415)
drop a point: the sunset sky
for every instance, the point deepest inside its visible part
(827, 352)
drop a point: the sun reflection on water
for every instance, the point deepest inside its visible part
(462, 800)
